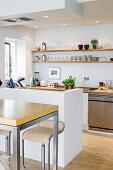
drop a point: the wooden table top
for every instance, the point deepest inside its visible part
(16, 113)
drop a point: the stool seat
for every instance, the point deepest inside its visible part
(43, 132)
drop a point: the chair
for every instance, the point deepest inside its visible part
(7, 140)
(41, 134)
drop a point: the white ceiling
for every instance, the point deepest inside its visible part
(99, 10)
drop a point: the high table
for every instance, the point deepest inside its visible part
(17, 115)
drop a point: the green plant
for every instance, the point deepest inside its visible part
(94, 41)
(65, 82)
(71, 81)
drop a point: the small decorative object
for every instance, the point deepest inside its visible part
(36, 48)
(65, 83)
(80, 47)
(89, 58)
(54, 73)
(95, 58)
(84, 58)
(52, 85)
(43, 46)
(39, 48)
(111, 59)
(43, 83)
(86, 46)
(94, 43)
(71, 82)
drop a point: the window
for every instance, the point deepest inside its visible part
(15, 60)
(7, 60)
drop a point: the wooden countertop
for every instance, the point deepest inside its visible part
(15, 113)
(108, 92)
(49, 88)
(59, 88)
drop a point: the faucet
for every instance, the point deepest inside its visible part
(86, 79)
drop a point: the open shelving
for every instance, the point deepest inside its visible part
(71, 50)
(72, 61)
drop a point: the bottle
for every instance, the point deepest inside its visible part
(43, 46)
(43, 57)
(37, 82)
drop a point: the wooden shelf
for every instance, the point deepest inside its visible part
(71, 50)
(72, 61)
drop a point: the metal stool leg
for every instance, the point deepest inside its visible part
(49, 155)
(6, 145)
(9, 144)
(43, 156)
(23, 165)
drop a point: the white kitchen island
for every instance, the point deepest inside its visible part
(70, 112)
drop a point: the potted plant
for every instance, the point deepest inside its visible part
(71, 82)
(65, 83)
(94, 43)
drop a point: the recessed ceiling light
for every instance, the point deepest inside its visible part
(97, 21)
(64, 24)
(36, 26)
(45, 16)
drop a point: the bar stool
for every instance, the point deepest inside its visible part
(7, 135)
(41, 134)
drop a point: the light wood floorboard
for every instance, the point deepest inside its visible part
(97, 154)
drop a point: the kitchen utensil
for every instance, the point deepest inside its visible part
(32, 82)
(101, 84)
(43, 57)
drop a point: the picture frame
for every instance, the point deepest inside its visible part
(54, 73)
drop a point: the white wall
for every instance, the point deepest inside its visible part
(81, 34)
(22, 34)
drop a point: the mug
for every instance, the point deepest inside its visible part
(101, 84)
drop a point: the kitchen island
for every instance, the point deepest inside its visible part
(70, 104)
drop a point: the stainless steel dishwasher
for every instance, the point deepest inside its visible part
(100, 115)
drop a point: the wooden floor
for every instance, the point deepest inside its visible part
(97, 154)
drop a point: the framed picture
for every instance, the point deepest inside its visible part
(54, 73)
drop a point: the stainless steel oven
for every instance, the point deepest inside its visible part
(100, 115)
